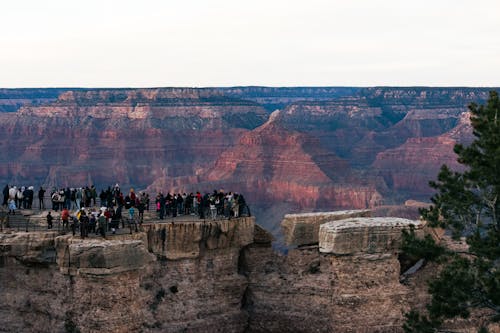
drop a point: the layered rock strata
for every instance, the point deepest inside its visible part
(326, 289)
(363, 235)
(217, 276)
(174, 277)
(326, 147)
(12, 99)
(303, 229)
(272, 163)
(140, 134)
(420, 158)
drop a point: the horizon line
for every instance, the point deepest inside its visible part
(254, 86)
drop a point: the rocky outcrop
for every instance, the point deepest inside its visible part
(98, 257)
(303, 229)
(57, 283)
(187, 240)
(29, 247)
(217, 276)
(180, 277)
(363, 235)
(349, 283)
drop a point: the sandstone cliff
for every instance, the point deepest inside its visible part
(348, 282)
(213, 276)
(173, 277)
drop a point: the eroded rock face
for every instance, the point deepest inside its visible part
(29, 247)
(98, 257)
(187, 281)
(140, 134)
(303, 229)
(220, 276)
(333, 287)
(188, 240)
(59, 283)
(363, 235)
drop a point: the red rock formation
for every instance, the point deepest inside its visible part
(272, 164)
(409, 167)
(126, 136)
(12, 99)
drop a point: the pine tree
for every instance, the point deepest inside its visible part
(468, 204)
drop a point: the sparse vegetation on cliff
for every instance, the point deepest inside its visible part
(468, 204)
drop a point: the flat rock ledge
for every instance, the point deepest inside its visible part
(303, 229)
(373, 235)
(100, 257)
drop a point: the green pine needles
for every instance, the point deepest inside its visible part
(468, 204)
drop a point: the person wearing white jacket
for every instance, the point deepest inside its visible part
(12, 192)
(12, 200)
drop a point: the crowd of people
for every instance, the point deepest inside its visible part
(95, 221)
(89, 217)
(15, 198)
(214, 205)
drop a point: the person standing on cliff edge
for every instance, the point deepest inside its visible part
(65, 219)
(41, 194)
(49, 220)
(12, 206)
(5, 195)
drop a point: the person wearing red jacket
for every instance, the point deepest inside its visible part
(65, 218)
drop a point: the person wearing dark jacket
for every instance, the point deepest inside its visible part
(50, 218)
(67, 198)
(84, 225)
(243, 205)
(41, 194)
(162, 203)
(30, 195)
(5, 193)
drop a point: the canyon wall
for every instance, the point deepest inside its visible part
(12, 99)
(217, 276)
(130, 136)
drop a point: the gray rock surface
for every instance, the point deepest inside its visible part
(303, 229)
(363, 235)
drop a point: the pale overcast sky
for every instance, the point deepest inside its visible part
(151, 43)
